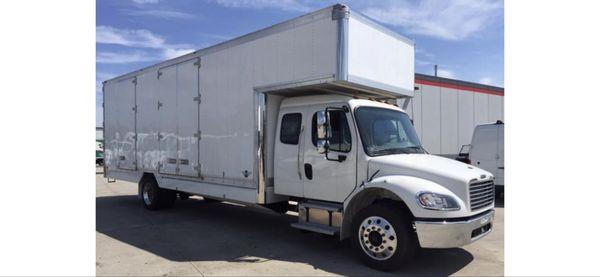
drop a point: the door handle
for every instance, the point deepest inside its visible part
(308, 171)
(300, 148)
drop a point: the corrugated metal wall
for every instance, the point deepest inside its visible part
(445, 114)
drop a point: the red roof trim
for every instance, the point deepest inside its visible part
(446, 85)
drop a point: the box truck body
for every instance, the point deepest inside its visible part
(200, 116)
(271, 117)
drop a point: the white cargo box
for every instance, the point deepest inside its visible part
(204, 122)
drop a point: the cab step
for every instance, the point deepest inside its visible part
(322, 206)
(320, 217)
(317, 228)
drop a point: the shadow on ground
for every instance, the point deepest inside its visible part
(195, 230)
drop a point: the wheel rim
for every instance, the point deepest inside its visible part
(148, 194)
(377, 238)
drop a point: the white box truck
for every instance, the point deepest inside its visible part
(295, 113)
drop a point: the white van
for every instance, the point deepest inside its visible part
(486, 150)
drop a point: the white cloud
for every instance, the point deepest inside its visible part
(445, 73)
(173, 53)
(103, 76)
(121, 58)
(286, 5)
(136, 39)
(127, 37)
(164, 14)
(422, 52)
(133, 38)
(449, 20)
(486, 81)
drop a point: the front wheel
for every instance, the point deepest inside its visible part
(382, 236)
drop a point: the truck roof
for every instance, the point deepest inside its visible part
(259, 34)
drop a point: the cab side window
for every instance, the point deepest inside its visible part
(290, 128)
(341, 140)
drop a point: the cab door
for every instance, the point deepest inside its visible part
(330, 179)
(289, 152)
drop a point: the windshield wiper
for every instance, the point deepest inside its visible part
(390, 151)
(416, 148)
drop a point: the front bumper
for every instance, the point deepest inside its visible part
(448, 234)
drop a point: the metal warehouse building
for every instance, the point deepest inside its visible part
(445, 111)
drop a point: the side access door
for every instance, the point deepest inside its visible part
(330, 178)
(178, 106)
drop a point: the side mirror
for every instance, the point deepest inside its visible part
(322, 142)
(321, 125)
(322, 146)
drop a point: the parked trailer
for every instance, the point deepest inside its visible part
(292, 113)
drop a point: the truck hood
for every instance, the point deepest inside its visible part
(451, 174)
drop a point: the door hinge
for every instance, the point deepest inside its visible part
(197, 63)
(198, 99)
(160, 136)
(158, 105)
(198, 135)
(134, 80)
(158, 73)
(199, 170)
(134, 108)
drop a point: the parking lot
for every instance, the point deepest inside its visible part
(200, 238)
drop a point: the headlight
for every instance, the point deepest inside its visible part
(434, 201)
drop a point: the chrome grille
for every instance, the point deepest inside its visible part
(481, 194)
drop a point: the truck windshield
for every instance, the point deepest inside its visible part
(385, 132)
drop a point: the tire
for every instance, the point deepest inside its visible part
(382, 236)
(155, 198)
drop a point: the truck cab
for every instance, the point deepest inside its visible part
(357, 168)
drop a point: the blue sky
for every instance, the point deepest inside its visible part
(464, 37)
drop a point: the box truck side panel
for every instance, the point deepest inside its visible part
(386, 61)
(167, 124)
(187, 118)
(228, 82)
(120, 136)
(147, 121)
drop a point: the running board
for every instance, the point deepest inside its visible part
(317, 228)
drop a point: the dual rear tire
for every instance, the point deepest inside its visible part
(155, 198)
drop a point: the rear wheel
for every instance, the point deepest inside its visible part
(155, 198)
(382, 236)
